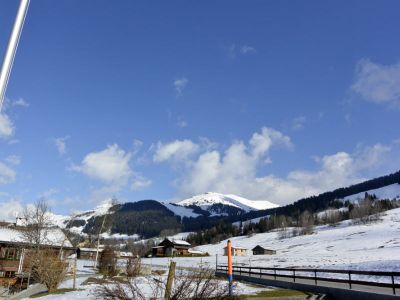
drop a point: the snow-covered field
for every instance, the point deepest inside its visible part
(374, 246)
(146, 284)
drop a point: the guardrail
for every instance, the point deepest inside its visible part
(350, 277)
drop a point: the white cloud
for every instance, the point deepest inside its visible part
(245, 50)
(136, 145)
(10, 209)
(377, 83)
(61, 145)
(237, 170)
(262, 142)
(178, 150)
(182, 123)
(180, 85)
(110, 165)
(20, 102)
(235, 50)
(13, 159)
(140, 183)
(7, 128)
(299, 122)
(7, 175)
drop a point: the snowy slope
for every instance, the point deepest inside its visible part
(100, 210)
(375, 246)
(180, 210)
(209, 199)
(387, 192)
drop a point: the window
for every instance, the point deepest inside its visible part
(9, 253)
(9, 274)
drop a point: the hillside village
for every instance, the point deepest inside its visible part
(193, 150)
(333, 236)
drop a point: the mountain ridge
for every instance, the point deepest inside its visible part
(205, 211)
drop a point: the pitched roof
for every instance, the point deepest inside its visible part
(176, 242)
(234, 247)
(53, 236)
(91, 249)
(261, 247)
(180, 242)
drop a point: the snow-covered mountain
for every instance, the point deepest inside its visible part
(206, 200)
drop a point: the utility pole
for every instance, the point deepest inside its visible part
(98, 241)
(12, 49)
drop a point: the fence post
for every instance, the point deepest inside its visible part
(294, 275)
(170, 280)
(315, 276)
(250, 271)
(275, 273)
(260, 273)
(394, 288)
(350, 279)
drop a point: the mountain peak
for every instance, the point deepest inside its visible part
(212, 198)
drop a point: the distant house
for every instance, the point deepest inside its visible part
(258, 250)
(125, 254)
(171, 247)
(236, 251)
(87, 253)
(14, 250)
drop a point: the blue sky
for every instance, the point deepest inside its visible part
(270, 100)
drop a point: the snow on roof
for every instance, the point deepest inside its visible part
(196, 251)
(125, 254)
(52, 236)
(180, 242)
(235, 247)
(91, 249)
(264, 248)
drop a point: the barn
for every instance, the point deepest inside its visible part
(259, 250)
(171, 247)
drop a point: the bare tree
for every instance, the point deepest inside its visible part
(46, 264)
(197, 284)
(37, 220)
(306, 222)
(108, 262)
(48, 268)
(119, 291)
(133, 266)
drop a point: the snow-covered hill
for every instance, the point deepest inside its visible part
(387, 192)
(209, 199)
(374, 246)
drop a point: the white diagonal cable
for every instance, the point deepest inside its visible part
(12, 48)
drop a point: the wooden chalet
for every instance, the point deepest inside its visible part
(259, 250)
(171, 247)
(236, 251)
(14, 250)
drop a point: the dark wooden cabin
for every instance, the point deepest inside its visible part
(258, 250)
(170, 247)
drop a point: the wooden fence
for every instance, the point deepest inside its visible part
(348, 277)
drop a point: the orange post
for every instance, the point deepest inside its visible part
(230, 275)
